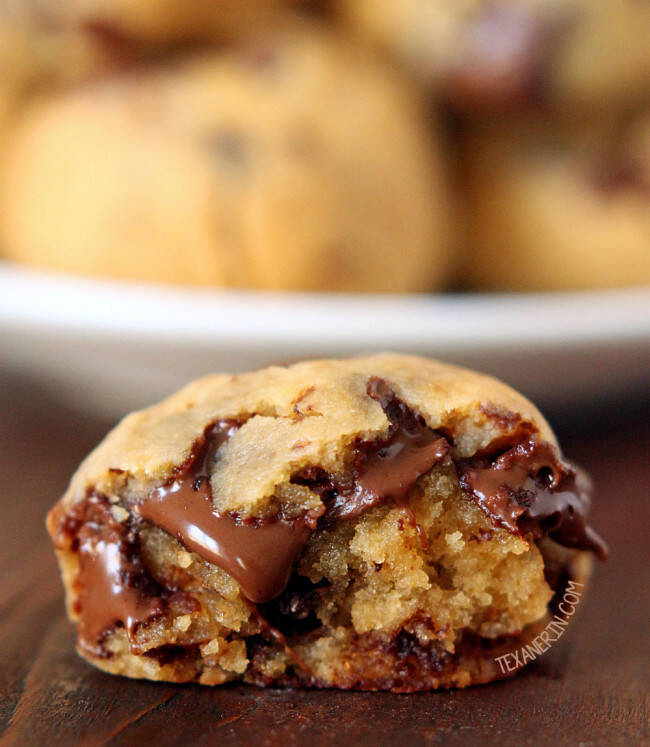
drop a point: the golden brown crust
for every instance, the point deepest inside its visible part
(320, 405)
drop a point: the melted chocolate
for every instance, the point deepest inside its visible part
(259, 556)
(115, 588)
(382, 470)
(530, 489)
(390, 470)
(295, 610)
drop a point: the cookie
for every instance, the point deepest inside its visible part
(579, 54)
(33, 54)
(555, 210)
(40, 46)
(386, 522)
(297, 161)
(50, 43)
(152, 23)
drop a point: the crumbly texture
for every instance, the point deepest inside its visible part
(373, 603)
(574, 55)
(552, 209)
(163, 175)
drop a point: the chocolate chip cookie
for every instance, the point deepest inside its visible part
(552, 209)
(50, 44)
(386, 522)
(296, 161)
(480, 54)
(35, 52)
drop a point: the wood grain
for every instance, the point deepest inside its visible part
(590, 688)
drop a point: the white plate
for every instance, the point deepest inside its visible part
(110, 347)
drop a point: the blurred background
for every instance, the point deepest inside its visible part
(197, 185)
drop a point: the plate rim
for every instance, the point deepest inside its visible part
(36, 301)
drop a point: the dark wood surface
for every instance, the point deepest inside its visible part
(590, 688)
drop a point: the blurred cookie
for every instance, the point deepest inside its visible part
(486, 54)
(50, 43)
(164, 21)
(32, 53)
(146, 21)
(35, 43)
(378, 523)
(294, 162)
(551, 210)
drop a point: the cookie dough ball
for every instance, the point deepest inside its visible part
(375, 523)
(484, 54)
(297, 161)
(552, 210)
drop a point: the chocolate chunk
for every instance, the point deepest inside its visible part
(115, 589)
(230, 146)
(382, 469)
(170, 653)
(617, 175)
(259, 556)
(530, 488)
(390, 470)
(294, 611)
(500, 58)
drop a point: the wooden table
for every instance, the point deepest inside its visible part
(590, 688)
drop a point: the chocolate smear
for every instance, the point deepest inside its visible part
(390, 470)
(259, 556)
(115, 589)
(529, 488)
(384, 469)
